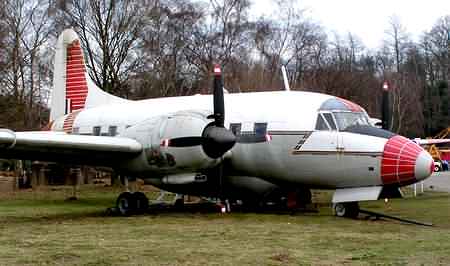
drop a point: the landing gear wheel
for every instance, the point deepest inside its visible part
(346, 209)
(126, 204)
(141, 202)
(179, 204)
(304, 197)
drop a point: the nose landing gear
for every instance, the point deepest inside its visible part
(346, 209)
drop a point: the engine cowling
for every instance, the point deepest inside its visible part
(183, 125)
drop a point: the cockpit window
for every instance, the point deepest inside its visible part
(346, 119)
(329, 118)
(321, 124)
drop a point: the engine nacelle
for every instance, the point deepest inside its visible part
(155, 135)
(180, 125)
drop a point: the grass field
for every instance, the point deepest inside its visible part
(41, 228)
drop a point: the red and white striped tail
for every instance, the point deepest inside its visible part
(76, 84)
(73, 90)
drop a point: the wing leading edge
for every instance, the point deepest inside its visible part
(62, 147)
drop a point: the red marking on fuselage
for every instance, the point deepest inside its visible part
(69, 120)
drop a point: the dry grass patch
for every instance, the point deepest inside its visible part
(41, 228)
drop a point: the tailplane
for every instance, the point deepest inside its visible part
(73, 89)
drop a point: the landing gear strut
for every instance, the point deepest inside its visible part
(346, 209)
(132, 203)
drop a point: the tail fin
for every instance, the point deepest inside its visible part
(73, 89)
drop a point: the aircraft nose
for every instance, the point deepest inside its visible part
(404, 162)
(424, 165)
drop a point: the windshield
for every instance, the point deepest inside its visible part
(346, 119)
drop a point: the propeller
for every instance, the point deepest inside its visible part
(216, 140)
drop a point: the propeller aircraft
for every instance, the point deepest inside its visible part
(254, 147)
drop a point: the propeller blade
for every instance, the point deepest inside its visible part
(216, 140)
(219, 105)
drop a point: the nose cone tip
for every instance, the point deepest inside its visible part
(424, 165)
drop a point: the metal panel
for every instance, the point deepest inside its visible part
(356, 194)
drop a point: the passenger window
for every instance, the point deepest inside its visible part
(330, 120)
(260, 129)
(236, 128)
(96, 131)
(321, 124)
(112, 131)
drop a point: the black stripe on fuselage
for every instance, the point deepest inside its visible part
(369, 131)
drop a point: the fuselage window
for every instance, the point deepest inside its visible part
(321, 123)
(330, 120)
(260, 129)
(236, 128)
(112, 130)
(96, 131)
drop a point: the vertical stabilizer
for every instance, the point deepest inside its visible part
(73, 90)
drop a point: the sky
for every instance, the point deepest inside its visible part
(367, 19)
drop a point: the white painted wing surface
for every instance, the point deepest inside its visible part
(62, 147)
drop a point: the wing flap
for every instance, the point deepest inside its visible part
(59, 146)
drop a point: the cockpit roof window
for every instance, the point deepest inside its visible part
(339, 104)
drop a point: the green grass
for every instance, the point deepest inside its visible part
(41, 228)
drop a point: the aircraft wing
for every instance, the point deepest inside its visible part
(431, 141)
(62, 147)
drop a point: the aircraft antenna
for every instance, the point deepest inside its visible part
(285, 79)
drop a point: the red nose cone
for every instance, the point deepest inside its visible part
(404, 162)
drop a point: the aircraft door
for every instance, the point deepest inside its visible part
(332, 125)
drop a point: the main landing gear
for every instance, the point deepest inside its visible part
(132, 203)
(346, 209)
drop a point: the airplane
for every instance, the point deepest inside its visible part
(253, 147)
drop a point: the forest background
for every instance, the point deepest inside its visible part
(156, 48)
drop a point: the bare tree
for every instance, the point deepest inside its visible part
(167, 71)
(436, 44)
(27, 25)
(219, 37)
(396, 45)
(110, 33)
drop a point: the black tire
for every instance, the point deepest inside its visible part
(179, 204)
(346, 209)
(304, 197)
(126, 204)
(141, 202)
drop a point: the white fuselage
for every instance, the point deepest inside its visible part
(297, 153)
